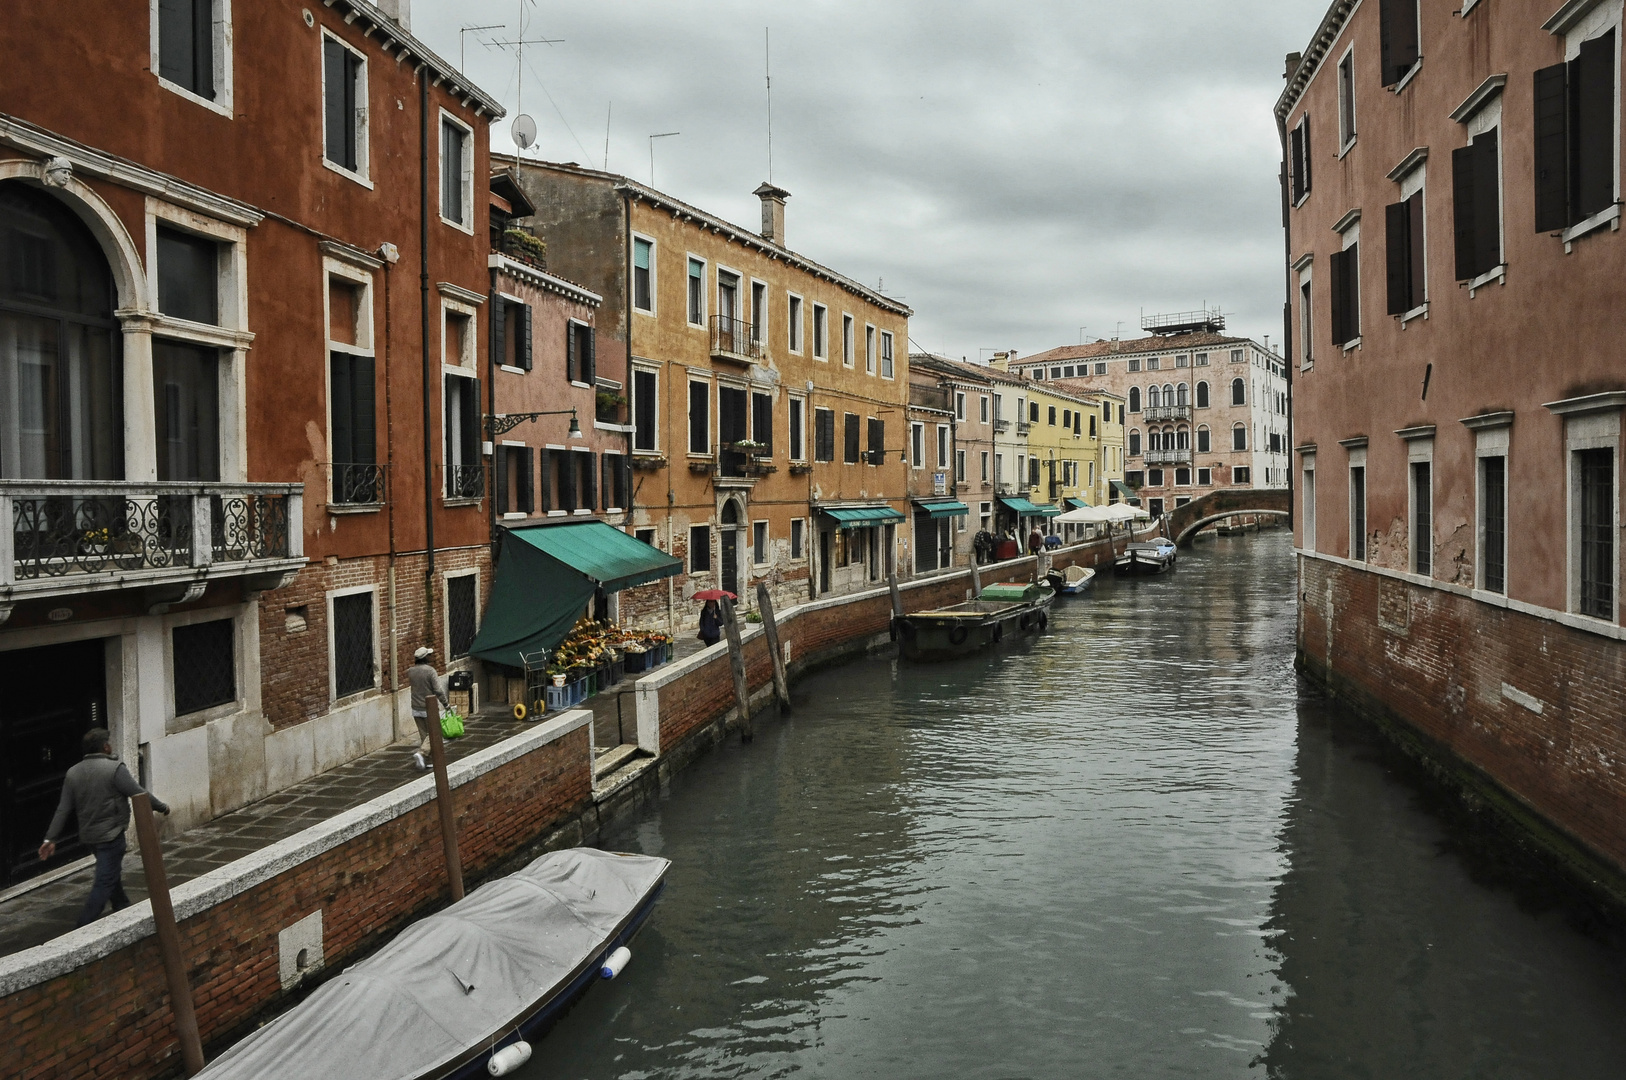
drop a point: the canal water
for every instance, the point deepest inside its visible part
(1136, 847)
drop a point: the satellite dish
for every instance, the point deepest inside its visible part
(524, 131)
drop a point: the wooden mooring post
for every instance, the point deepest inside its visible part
(443, 800)
(781, 683)
(736, 660)
(897, 602)
(976, 579)
(169, 936)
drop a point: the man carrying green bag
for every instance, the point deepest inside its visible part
(426, 683)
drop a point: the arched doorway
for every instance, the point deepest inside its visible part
(731, 520)
(61, 392)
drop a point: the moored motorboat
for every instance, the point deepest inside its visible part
(457, 993)
(1005, 610)
(1071, 580)
(1145, 557)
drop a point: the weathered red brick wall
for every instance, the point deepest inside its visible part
(1454, 669)
(111, 1018)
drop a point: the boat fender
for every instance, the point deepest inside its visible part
(519, 710)
(509, 1058)
(615, 962)
(999, 633)
(959, 634)
(1044, 621)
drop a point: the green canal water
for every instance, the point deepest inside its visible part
(1135, 847)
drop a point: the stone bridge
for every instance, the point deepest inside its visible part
(1185, 521)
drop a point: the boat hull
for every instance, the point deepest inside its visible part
(953, 633)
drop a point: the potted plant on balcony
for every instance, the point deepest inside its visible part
(607, 406)
(522, 246)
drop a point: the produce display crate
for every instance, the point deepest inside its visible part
(618, 671)
(639, 662)
(558, 697)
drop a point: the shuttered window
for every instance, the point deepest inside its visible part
(1345, 280)
(643, 297)
(352, 429)
(644, 410)
(798, 446)
(1575, 135)
(1493, 523)
(353, 649)
(580, 363)
(851, 437)
(762, 422)
(341, 104)
(877, 440)
(186, 45)
(1299, 159)
(1476, 206)
(1397, 31)
(824, 435)
(1404, 235)
(699, 418)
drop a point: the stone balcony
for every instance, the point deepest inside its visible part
(1168, 412)
(1168, 457)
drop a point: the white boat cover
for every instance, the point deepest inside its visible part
(1075, 574)
(456, 979)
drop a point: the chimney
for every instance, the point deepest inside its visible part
(1293, 59)
(1000, 360)
(773, 212)
(398, 10)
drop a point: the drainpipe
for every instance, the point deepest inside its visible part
(423, 291)
(389, 509)
(1287, 318)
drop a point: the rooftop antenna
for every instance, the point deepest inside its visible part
(467, 30)
(1081, 334)
(518, 44)
(1119, 329)
(652, 138)
(607, 114)
(767, 77)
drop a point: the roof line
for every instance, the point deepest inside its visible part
(399, 42)
(1321, 42)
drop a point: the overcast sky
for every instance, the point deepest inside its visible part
(1011, 171)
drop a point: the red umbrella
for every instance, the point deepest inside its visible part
(714, 594)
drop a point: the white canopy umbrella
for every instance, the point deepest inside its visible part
(1125, 512)
(1087, 515)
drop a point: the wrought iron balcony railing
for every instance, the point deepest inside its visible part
(1168, 412)
(71, 535)
(465, 481)
(356, 484)
(1168, 457)
(734, 339)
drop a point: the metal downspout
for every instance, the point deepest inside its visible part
(423, 292)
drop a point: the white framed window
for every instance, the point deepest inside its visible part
(699, 417)
(798, 538)
(959, 466)
(886, 354)
(869, 349)
(462, 592)
(205, 677)
(352, 642)
(456, 173)
(1306, 300)
(759, 543)
(1592, 446)
(793, 323)
(959, 406)
(759, 311)
(697, 291)
(917, 444)
(646, 410)
(984, 454)
(942, 446)
(643, 274)
(821, 332)
(1420, 506)
(192, 50)
(355, 477)
(458, 337)
(345, 115)
(982, 407)
(1346, 101)
(1491, 445)
(1577, 130)
(1476, 179)
(1357, 504)
(1405, 243)
(847, 340)
(797, 407)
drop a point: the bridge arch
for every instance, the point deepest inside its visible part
(1184, 522)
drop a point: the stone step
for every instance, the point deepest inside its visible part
(607, 761)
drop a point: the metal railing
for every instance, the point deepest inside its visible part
(734, 339)
(1023, 427)
(1168, 457)
(355, 484)
(1168, 412)
(69, 527)
(465, 481)
(1001, 425)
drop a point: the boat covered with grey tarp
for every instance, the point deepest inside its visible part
(457, 986)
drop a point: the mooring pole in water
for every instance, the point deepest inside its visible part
(897, 602)
(169, 937)
(781, 684)
(443, 800)
(976, 579)
(736, 660)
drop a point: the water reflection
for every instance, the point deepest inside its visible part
(1126, 849)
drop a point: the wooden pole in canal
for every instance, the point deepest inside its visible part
(736, 660)
(169, 936)
(897, 601)
(443, 800)
(781, 683)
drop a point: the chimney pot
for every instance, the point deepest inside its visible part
(773, 212)
(400, 11)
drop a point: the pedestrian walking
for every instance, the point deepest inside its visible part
(426, 683)
(96, 792)
(1035, 541)
(711, 624)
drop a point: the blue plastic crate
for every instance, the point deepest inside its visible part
(558, 697)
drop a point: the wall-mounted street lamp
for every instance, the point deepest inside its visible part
(498, 423)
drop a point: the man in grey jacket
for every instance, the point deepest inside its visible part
(97, 793)
(426, 683)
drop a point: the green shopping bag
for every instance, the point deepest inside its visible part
(451, 724)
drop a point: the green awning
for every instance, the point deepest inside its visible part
(1028, 509)
(1125, 490)
(1076, 504)
(547, 575)
(857, 517)
(942, 508)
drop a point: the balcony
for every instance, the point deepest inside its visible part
(1001, 425)
(355, 487)
(72, 536)
(1168, 457)
(1168, 412)
(465, 481)
(739, 464)
(1023, 427)
(930, 397)
(734, 341)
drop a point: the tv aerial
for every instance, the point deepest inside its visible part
(524, 131)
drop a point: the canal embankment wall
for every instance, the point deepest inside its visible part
(264, 930)
(1520, 712)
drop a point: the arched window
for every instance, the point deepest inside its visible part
(1154, 397)
(1168, 393)
(1239, 395)
(62, 417)
(1134, 442)
(1202, 395)
(1182, 395)
(1203, 445)
(1239, 437)
(1134, 399)
(1154, 439)
(1183, 439)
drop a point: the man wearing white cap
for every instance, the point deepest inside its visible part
(425, 684)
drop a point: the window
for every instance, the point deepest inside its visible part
(959, 406)
(462, 614)
(1239, 392)
(821, 332)
(1182, 395)
(699, 417)
(465, 474)
(1422, 518)
(1154, 478)
(1152, 363)
(580, 363)
(697, 292)
(982, 407)
(1134, 363)
(1241, 474)
(886, 354)
(877, 441)
(1298, 157)
(514, 465)
(1346, 293)
(850, 437)
(798, 440)
(1033, 472)
(1575, 135)
(1183, 360)
(847, 340)
(1404, 235)
(1346, 101)
(1357, 512)
(645, 410)
(1205, 477)
(617, 482)
(1033, 412)
(643, 270)
(188, 276)
(959, 466)
(1398, 32)
(186, 388)
(645, 536)
(1100, 369)
(999, 469)
(344, 106)
(1594, 530)
(824, 435)
(457, 337)
(1202, 395)
(699, 549)
(1092, 424)
(1182, 477)
(511, 332)
(1135, 479)
(869, 349)
(1477, 205)
(759, 311)
(1134, 398)
(942, 446)
(1050, 415)
(762, 422)
(1239, 437)
(793, 324)
(191, 55)
(1306, 323)
(917, 441)
(759, 542)
(798, 540)
(984, 466)
(352, 426)
(354, 652)
(203, 665)
(1493, 524)
(1203, 444)
(456, 173)
(1134, 444)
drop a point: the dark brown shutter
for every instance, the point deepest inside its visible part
(498, 329)
(1464, 162)
(1397, 231)
(527, 480)
(500, 468)
(623, 493)
(606, 472)
(1416, 272)
(1551, 148)
(524, 349)
(1296, 161)
(590, 481)
(1487, 202)
(589, 359)
(1352, 292)
(1593, 137)
(570, 352)
(1397, 22)
(567, 480)
(546, 456)
(1335, 292)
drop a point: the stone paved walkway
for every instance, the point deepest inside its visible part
(35, 917)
